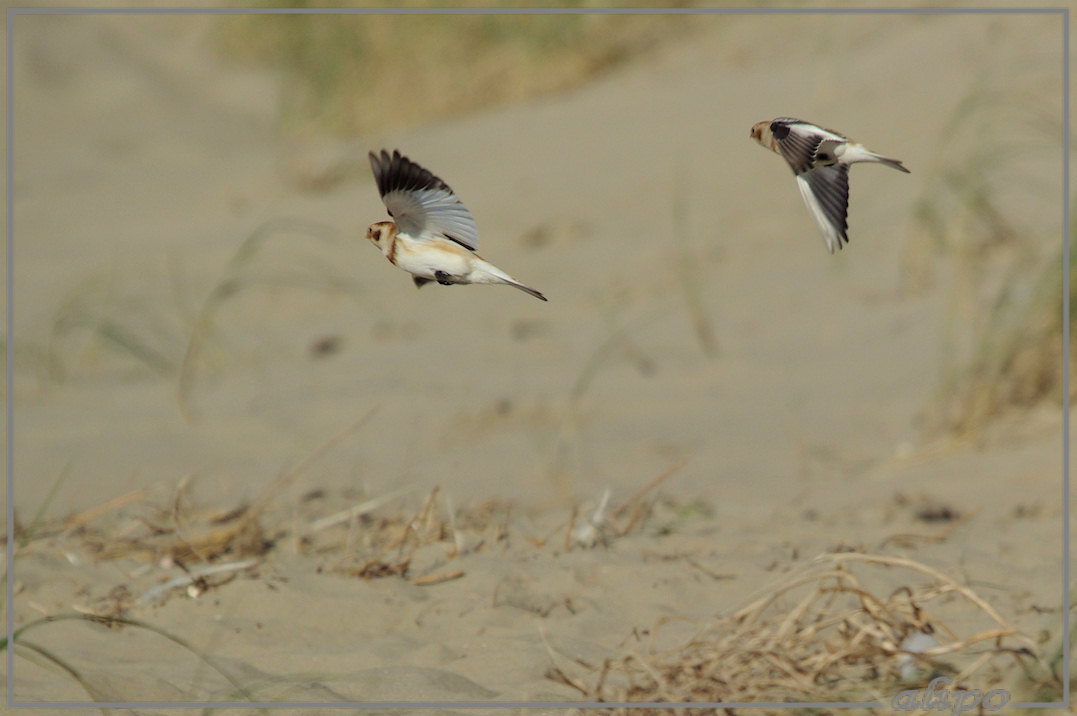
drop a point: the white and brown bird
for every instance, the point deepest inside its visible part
(820, 158)
(432, 235)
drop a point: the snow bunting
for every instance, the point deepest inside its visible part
(432, 235)
(820, 158)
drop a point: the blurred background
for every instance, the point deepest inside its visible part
(204, 343)
(194, 297)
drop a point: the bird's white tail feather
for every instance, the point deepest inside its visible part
(526, 289)
(859, 153)
(488, 273)
(891, 162)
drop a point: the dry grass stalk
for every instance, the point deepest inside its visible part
(352, 513)
(438, 578)
(635, 507)
(81, 518)
(195, 582)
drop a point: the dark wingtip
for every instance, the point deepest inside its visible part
(396, 172)
(381, 158)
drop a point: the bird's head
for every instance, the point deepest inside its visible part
(761, 132)
(380, 232)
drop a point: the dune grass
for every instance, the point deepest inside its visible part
(25, 648)
(1018, 359)
(984, 207)
(96, 322)
(350, 74)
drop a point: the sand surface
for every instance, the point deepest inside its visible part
(695, 326)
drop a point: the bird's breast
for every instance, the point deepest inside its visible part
(425, 257)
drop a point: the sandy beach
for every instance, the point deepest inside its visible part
(213, 367)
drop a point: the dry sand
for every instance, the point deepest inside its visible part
(640, 207)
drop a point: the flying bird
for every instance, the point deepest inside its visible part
(432, 235)
(820, 158)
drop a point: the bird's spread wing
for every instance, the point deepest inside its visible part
(797, 143)
(826, 192)
(421, 203)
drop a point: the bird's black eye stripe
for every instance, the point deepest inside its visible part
(779, 130)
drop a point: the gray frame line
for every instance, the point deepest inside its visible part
(665, 705)
(540, 11)
(9, 409)
(10, 317)
(1066, 355)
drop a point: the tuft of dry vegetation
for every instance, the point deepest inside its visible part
(838, 630)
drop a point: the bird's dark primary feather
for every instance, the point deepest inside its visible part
(830, 186)
(395, 172)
